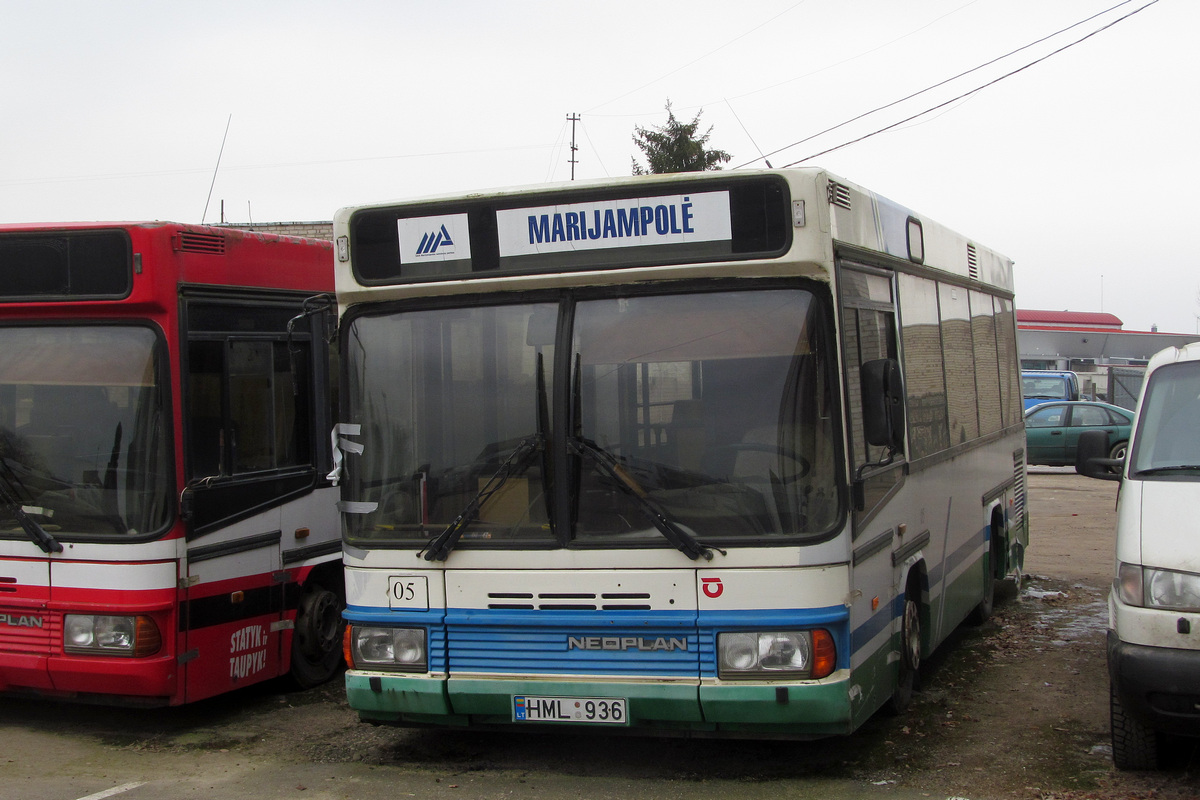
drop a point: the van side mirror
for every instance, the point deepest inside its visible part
(1091, 457)
(883, 404)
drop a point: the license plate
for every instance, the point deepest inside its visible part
(599, 710)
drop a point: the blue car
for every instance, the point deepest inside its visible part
(1052, 430)
(1041, 386)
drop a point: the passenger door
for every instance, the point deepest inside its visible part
(249, 449)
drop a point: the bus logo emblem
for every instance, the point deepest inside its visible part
(712, 587)
(430, 242)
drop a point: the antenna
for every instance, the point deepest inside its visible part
(217, 167)
(748, 136)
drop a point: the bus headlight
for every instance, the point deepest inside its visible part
(103, 634)
(775, 654)
(387, 648)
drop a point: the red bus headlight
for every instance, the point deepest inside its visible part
(103, 634)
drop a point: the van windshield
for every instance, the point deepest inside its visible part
(1044, 387)
(1168, 437)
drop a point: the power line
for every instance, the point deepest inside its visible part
(280, 165)
(942, 83)
(595, 150)
(698, 59)
(964, 94)
(855, 57)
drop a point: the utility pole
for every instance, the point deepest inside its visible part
(573, 119)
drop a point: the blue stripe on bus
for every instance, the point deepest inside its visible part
(876, 623)
(961, 554)
(614, 643)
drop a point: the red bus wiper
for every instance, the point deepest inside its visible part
(32, 529)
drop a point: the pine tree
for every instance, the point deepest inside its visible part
(675, 147)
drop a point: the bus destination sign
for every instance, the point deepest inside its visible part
(627, 222)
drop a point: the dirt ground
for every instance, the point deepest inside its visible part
(1015, 708)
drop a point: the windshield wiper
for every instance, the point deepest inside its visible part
(32, 529)
(516, 463)
(680, 539)
(1169, 468)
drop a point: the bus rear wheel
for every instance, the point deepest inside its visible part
(982, 612)
(317, 637)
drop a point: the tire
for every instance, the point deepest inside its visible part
(910, 652)
(1135, 745)
(317, 638)
(983, 610)
(1118, 451)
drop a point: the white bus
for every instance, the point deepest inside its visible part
(713, 453)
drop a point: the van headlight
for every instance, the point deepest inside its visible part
(387, 648)
(106, 634)
(1147, 587)
(764, 655)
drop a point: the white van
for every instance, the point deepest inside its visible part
(1154, 605)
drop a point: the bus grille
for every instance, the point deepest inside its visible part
(209, 243)
(609, 651)
(570, 601)
(29, 633)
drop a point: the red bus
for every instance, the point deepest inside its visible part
(167, 530)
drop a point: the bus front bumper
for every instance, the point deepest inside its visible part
(802, 709)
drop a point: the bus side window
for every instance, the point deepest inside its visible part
(249, 411)
(869, 334)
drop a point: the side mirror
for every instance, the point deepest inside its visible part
(1091, 457)
(883, 404)
(187, 504)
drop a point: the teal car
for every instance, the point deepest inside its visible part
(1052, 430)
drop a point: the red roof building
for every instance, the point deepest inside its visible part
(1068, 319)
(1088, 342)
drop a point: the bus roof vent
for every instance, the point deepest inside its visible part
(839, 195)
(212, 244)
(972, 262)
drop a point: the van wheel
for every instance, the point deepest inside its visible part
(317, 638)
(1135, 745)
(910, 651)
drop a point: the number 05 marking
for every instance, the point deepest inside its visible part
(408, 591)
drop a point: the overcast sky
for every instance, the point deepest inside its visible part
(1083, 167)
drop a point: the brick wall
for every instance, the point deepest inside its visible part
(306, 230)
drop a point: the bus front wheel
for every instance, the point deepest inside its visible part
(317, 637)
(910, 651)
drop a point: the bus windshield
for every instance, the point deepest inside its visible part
(713, 411)
(83, 436)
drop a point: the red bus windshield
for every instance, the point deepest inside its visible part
(83, 432)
